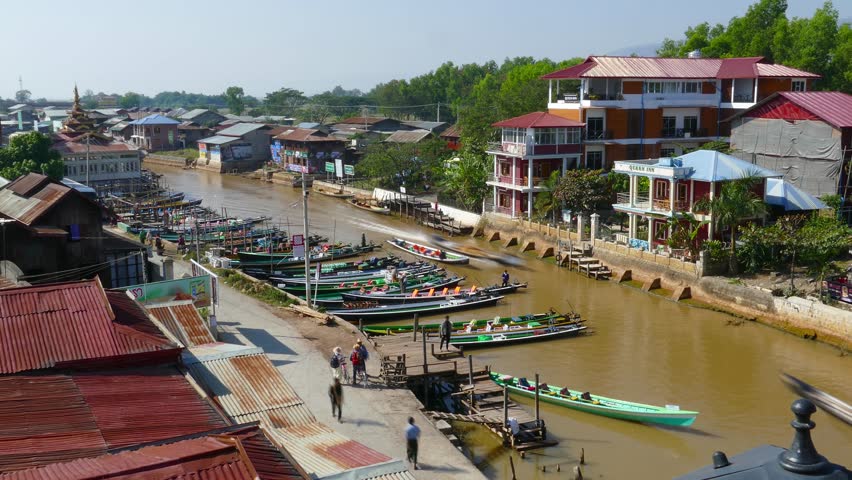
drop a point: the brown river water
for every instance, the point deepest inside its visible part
(643, 348)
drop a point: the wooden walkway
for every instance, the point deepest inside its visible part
(425, 214)
(406, 360)
(584, 263)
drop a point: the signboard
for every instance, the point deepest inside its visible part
(349, 169)
(293, 167)
(199, 270)
(338, 164)
(329, 167)
(241, 151)
(198, 289)
(298, 245)
(276, 151)
(202, 150)
(402, 189)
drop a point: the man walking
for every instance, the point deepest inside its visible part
(335, 393)
(363, 355)
(505, 278)
(446, 330)
(412, 435)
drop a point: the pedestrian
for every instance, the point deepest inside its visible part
(336, 362)
(363, 355)
(355, 360)
(412, 435)
(505, 278)
(402, 282)
(181, 243)
(446, 330)
(158, 243)
(335, 393)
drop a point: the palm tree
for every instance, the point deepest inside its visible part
(545, 202)
(736, 203)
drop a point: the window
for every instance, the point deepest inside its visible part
(690, 124)
(573, 135)
(798, 86)
(156, 129)
(671, 87)
(691, 87)
(505, 169)
(669, 126)
(681, 192)
(595, 128)
(661, 190)
(667, 152)
(594, 160)
(547, 136)
(653, 87)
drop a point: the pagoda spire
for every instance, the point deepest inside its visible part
(76, 97)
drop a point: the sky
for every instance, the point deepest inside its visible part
(264, 45)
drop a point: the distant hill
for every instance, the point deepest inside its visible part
(646, 50)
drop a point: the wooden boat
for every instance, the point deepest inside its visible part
(334, 300)
(384, 312)
(499, 335)
(340, 193)
(352, 285)
(433, 327)
(293, 261)
(431, 253)
(330, 267)
(429, 295)
(608, 407)
(356, 276)
(366, 205)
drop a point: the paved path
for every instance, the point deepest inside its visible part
(373, 416)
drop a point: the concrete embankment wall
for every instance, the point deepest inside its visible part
(802, 317)
(166, 160)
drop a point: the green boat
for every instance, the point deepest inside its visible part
(297, 289)
(511, 334)
(608, 407)
(316, 258)
(335, 299)
(433, 327)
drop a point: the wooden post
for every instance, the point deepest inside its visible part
(537, 417)
(416, 326)
(361, 325)
(505, 407)
(426, 392)
(470, 369)
(512, 464)
(425, 359)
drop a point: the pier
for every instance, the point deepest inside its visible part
(424, 213)
(412, 360)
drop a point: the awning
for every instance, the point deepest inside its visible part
(783, 194)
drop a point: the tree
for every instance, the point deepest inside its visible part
(736, 203)
(411, 165)
(31, 152)
(684, 233)
(23, 96)
(546, 204)
(583, 191)
(465, 179)
(284, 101)
(129, 100)
(234, 97)
(90, 102)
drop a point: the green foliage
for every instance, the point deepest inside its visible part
(259, 290)
(546, 204)
(465, 179)
(716, 252)
(832, 201)
(129, 100)
(619, 182)
(404, 164)
(234, 97)
(284, 101)
(583, 191)
(684, 234)
(816, 44)
(717, 145)
(31, 152)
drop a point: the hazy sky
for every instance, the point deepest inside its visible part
(196, 46)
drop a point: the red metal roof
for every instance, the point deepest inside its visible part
(682, 68)
(65, 323)
(453, 132)
(295, 134)
(834, 108)
(183, 321)
(29, 197)
(240, 452)
(62, 417)
(538, 120)
(364, 120)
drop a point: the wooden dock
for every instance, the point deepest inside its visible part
(424, 213)
(415, 361)
(583, 262)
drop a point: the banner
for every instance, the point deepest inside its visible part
(198, 289)
(338, 167)
(199, 270)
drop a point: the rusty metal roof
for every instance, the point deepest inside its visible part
(238, 452)
(50, 418)
(684, 68)
(453, 132)
(29, 197)
(408, 136)
(538, 120)
(249, 388)
(64, 323)
(183, 321)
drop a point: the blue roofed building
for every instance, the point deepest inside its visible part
(675, 185)
(155, 132)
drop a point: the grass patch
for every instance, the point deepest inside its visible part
(262, 291)
(662, 292)
(633, 283)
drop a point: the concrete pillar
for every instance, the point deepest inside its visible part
(650, 233)
(530, 186)
(633, 183)
(581, 226)
(595, 226)
(631, 226)
(651, 193)
(672, 196)
(168, 268)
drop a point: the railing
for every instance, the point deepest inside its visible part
(598, 134)
(665, 205)
(518, 181)
(603, 96)
(640, 201)
(511, 148)
(683, 133)
(490, 207)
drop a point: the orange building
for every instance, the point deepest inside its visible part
(648, 107)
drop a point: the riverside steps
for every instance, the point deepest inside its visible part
(413, 360)
(424, 213)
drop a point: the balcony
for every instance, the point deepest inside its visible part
(514, 149)
(683, 133)
(643, 202)
(598, 135)
(518, 183)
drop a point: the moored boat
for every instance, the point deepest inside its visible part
(340, 193)
(348, 286)
(293, 261)
(500, 335)
(431, 253)
(430, 295)
(433, 327)
(608, 407)
(370, 207)
(357, 276)
(334, 300)
(384, 312)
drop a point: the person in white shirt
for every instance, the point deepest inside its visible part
(412, 435)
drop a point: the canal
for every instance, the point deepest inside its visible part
(643, 348)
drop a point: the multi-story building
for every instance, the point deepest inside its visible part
(155, 132)
(641, 107)
(532, 146)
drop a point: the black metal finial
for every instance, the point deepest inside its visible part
(720, 460)
(802, 456)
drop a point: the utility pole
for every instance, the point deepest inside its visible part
(438, 118)
(306, 241)
(197, 241)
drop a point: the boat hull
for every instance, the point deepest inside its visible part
(386, 312)
(407, 246)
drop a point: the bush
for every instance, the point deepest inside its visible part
(716, 252)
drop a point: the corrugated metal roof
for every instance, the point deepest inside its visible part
(183, 321)
(688, 68)
(538, 120)
(194, 113)
(45, 325)
(27, 184)
(425, 125)
(241, 129)
(453, 132)
(364, 120)
(408, 136)
(234, 453)
(218, 140)
(833, 107)
(155, 119)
